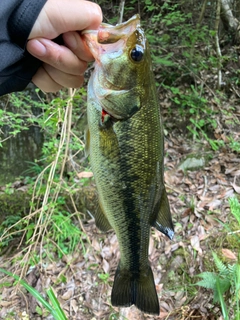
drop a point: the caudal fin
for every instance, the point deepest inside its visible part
(135, 288)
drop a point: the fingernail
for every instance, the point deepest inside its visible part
(38, 48)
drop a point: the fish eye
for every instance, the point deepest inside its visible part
(137, 53)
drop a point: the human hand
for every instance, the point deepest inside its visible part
(63, 66)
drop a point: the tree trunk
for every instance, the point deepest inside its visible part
(230, 23)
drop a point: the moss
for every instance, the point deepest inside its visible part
(16, 204)
(177, 276)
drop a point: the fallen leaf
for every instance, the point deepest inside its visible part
(85, 174)
(195, 243)
(67, 295)
(229, 254)
(105, 266)
(73, 305)
(236, 188)
(214, 204)
(5, 303)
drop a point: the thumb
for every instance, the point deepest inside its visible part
(59, 17)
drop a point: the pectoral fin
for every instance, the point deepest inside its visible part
(101, 220)
(163, 221)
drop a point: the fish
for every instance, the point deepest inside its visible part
(125, 141)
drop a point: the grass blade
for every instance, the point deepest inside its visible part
(56, 305)
(55, 310)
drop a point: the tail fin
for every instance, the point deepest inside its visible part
(135, 288)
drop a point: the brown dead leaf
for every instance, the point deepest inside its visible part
(85, 174)
(5, 303)
(229, 254)
(195, 243)
(67, 295)
(214, 204)
(236, 188)
(105, 266)
(73, 305)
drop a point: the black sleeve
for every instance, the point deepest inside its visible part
(17, 66)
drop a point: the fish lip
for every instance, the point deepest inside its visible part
(107, 33)
(108, 38)
(110, 34)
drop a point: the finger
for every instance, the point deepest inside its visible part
(69, 15)
(64, 79)
(43, 81)
(59, 57)
(75, 43)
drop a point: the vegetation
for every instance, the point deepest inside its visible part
(226, 282)
(44, 233)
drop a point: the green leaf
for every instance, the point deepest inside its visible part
(59, 312)
(55, 311)
(223, 270)
(209, 280)
(220, 298)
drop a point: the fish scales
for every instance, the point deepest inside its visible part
(126, 154)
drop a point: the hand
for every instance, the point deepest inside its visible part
(63, 66)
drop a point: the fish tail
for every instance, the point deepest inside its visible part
(135, 288)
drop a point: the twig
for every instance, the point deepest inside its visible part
(219, 54)
(121, 10)
(202, 12)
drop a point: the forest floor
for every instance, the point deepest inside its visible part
(198, 197)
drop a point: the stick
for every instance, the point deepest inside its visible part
(121, 10)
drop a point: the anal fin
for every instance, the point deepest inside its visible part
(163, 222)
(101, 220)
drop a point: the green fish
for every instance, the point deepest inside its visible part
(125, 142)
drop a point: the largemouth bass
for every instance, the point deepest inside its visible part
(126, 154)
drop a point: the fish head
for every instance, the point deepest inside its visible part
(122, 62)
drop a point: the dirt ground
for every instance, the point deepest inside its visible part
(199, 203)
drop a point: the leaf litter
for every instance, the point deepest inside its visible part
(199, 204)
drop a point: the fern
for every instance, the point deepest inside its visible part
(227, 277)
(235, 208)
(208, 280)
(222, 269)
(212, 281)
(222, 286)
(221, 300)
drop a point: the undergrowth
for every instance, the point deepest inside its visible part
(185, 64)
(225, 282)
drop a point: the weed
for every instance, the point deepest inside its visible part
(225, 283)
(104, 277)
(55, 309)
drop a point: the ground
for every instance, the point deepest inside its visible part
(199, 204)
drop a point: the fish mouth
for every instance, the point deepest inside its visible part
(108, 38)
(111, 34)
(111, 40)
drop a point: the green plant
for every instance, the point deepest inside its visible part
(48, 223)
(62, 231)
(226, 280)
(225, 283)
(54, 308)
(235, 208)
(104, 277)
(234, 145)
